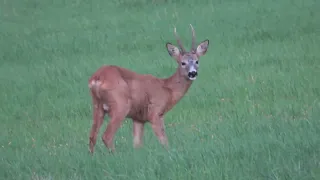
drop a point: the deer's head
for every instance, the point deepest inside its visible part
(188, 61)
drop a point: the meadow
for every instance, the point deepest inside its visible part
(252, 113)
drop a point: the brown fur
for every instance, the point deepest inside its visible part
(122, 93)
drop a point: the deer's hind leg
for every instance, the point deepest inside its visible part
(98, 116)
(119, 108)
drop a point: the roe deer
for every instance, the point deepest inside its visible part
(122, 93)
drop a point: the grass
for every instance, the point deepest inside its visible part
(253, 112)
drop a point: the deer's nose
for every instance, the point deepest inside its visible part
(192, 74)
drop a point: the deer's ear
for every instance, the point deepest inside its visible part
(173, 51)
(202, 48)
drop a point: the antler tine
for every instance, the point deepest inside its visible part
(193, 46)
(179, 41)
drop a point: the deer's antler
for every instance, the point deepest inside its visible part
(193, 45)
(179, 41)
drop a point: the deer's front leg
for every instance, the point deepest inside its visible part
(138, 128)
(157, 124)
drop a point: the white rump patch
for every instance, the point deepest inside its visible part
(91, 84)
(94, 83)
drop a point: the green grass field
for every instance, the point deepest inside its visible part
(253, 112)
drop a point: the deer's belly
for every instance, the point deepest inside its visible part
(139, 112)
(146, 102)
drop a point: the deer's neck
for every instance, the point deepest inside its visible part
(178, 85)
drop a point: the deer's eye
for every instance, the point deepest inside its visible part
(197, 62)
(183, 63)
